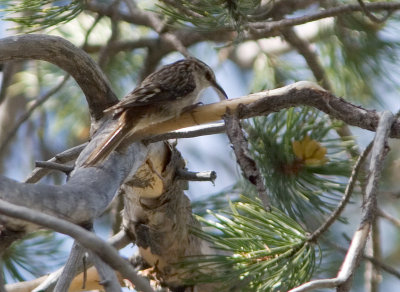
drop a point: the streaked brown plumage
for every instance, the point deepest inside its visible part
(163, 95)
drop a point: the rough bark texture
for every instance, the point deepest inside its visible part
(158, 214)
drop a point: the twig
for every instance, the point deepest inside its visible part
(63, 157)
(8, 73)
(87, 239)
(313, 62)
(118, 241)
(70, 268)
(84, 265)
(195, 131)
(311, 58)
(104, 52)
(58, 51)
(272, 27)
(347, 194)
(107, 275)
(370, 15)
(54, 166)
(373, 260)
(38, 102)
(245, 161)
(303, 93)
(2, 282)
(196, 176)
(350, 262)
(372, 273)
(390, 218)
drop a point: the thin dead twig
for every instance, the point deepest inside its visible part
(347, 194)
(371, 16)
(34, 105)
(63, 157)
(245, 161)
(344, 277)
(197, 176)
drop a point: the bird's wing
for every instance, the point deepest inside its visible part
(166, 85)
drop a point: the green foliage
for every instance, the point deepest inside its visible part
(211, 15)
(261, 251)
(301, 189)
(34, 15)
(37, 253)
(358, 57)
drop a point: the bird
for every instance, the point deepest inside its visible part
(163, 95)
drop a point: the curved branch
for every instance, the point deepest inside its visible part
(81, 235)
(86, 194)
(272, 27)
(90, 190)
(303, 93)
(68, 57)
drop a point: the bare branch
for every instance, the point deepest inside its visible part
(373, 260)
(2, 282)
(262, 103)
(63, 157)
(243, 158)
(347, 194)
(70, 268)
(8, 73)
(371, 16)
(118, 241)
(350, 263)
(395, 221)
(85, 195)
(38, 102)
(70, 58)
(54, 166)
(303, 48)
(87, 239)
(303, 93)
(107, 275)
(196, 176)
(272, 28)
(195, 131)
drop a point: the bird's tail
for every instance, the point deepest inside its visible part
(112, 141)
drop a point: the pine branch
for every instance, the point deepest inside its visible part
(343, 279)
(347, 194)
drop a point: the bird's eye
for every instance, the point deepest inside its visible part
(208, 76)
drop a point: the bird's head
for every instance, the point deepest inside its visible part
(207, 76)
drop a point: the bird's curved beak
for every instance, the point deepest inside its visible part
(221, 93)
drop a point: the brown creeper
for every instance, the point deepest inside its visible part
(163, 95)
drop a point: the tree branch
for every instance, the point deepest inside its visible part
(38, 102)
(109, 279)
(63, 157)
(271, 28)
(87, 239)
(195, 131)
(347, 194)
(303, 93)
(70, 268)
(47, 283)
(68, 57)
(85, 196)
(243, 158)
(83, 190)
(350, 263)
